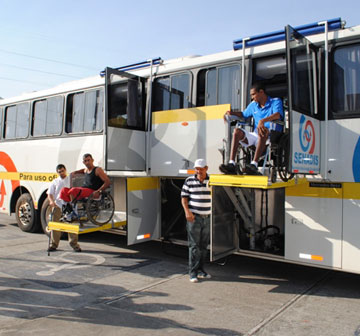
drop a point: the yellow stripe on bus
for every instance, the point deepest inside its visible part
(304, 190)
(22, 176)
(191, 114)
(351, 190)
(142, 183)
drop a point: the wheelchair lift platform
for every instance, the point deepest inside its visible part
(87, 227)
(250, 181)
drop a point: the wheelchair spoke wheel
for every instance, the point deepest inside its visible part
(100, 211)
(283, 159)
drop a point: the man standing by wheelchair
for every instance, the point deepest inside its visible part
(56, 203)
(96, 181)
(264, 110)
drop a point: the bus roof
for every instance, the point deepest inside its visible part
(180, 64)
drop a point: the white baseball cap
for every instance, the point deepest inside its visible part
(200, 163)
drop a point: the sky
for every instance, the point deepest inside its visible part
(47, 42)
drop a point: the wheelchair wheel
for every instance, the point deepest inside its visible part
(273, 173)
(283, 158)
(100, 211)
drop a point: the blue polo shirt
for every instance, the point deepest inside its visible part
(272, 106)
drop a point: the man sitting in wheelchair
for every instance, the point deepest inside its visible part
(95, 182)
(264, 110)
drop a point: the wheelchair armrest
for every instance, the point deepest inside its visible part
(278, 122)
(235, 120)
(231, 118)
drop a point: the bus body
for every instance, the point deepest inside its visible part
(147, 124)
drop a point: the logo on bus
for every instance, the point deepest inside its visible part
(8, 164)
(356, 162)
(306, 159)
(307, 135)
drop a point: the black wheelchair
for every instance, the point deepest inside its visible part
(274, 160)
(97, 210)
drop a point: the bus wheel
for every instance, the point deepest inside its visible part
(25, 214)
(45, 215)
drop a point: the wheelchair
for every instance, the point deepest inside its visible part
(275, 158)
(98, 211)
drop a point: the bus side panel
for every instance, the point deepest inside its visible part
(179, 137)
(32, 164)
(351, 222)
(143, 209)
(313, 225)
(344, 150)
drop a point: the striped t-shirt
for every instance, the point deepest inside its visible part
(199, 195)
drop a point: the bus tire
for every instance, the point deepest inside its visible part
(45, 216)
(25, 214)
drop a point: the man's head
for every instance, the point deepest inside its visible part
(200, 168)
(61, 170)
(88, 161)
(258, 93)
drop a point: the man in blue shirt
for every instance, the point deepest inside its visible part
(263, 109)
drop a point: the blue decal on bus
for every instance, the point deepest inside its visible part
(356, 162)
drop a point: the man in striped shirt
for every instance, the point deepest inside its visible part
(196, 201)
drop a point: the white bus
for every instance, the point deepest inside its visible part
(147, 123)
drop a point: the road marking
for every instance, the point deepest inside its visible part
(71, 264)
(288, 304)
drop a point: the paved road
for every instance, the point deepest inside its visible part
(111, 289)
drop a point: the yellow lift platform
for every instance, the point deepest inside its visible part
(85, 228)
(250, 181)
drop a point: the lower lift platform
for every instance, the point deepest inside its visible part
(248, 214)
(118, 222)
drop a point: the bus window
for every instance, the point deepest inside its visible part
(345, 85)
(210, 87)
(17, 121)
(172, 92)
(180, 91)
(219, 86)
(94, 102)
(303, 81)
(162, 94)
(126, 105)
(47, 116)
(84, 111)
(271, 72)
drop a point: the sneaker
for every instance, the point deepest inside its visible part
(77, 249)
(204, 275)
(67, 208)
(251, 169)
(194, 279)
(228, 169)
(71, 216)
(51, 249)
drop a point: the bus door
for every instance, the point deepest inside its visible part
(143, 209)
(301, 58)
(125, 121)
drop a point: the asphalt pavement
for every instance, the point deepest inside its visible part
(112, 289)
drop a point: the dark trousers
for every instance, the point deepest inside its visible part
(198, 239)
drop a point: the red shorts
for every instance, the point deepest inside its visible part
(77, 193)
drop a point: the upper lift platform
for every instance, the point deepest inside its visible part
(250, 181)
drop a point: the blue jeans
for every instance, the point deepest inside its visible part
(198, 238)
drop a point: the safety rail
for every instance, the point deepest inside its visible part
(144, 64)
(279, 35)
